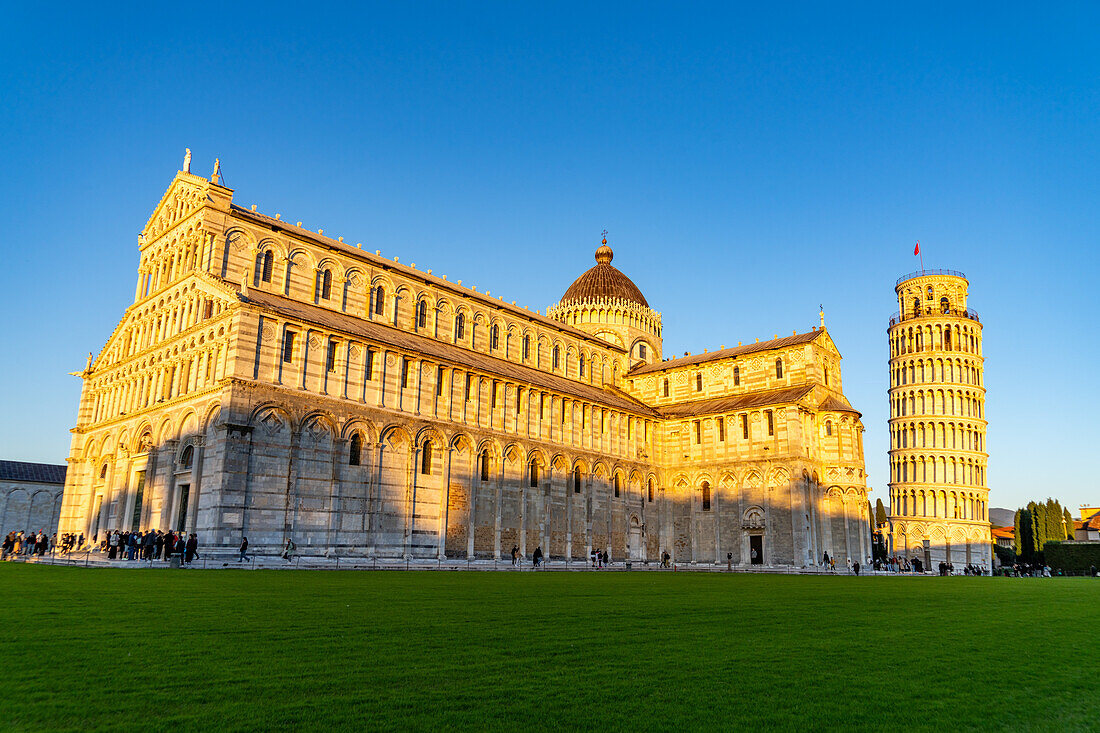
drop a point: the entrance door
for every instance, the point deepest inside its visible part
(635, 540)
(756, 549)
(96, 515)
(181, 521)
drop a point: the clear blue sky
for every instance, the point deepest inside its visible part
(748, 164)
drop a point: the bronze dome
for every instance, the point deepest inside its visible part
(603, 281)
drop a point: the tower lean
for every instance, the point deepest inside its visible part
(939, 509)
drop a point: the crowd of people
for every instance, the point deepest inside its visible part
(114, 545)
(149, 545)
(26, 544)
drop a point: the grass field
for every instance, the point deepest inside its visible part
(103, 649)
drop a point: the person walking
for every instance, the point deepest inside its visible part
(515, 554)
(191, 548)
(288, 549)
(605, 560)
(536, 557)
(242, 557)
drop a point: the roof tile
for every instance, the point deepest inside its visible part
(45, 473)
(802, 338)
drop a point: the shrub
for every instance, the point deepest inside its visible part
(1072, 557)
(1006, 555)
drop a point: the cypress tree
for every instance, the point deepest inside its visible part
(1054, 521)
(1018, 540)
(1069, 523)
(880, 512)
(1034, 530)
(1038, 527)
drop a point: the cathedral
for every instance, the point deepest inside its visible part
(274, 383)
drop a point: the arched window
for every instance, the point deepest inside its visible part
(706, 496)
(426, 459)
(526, 347)
(651, 490)
(945, 304)
(581, 363)
(494, 338)
(103, 471)
(485, 465)
(187, 458)
(666, 386)
(930, 292)
(356, 454)
(641, 351)
(916, 306)
(577, 480)
(828, 427)
(737, 376)
(460, 326)
(826, 377)
(324, 284)
(617, 485)
(556, 358)
(778, 368)
(421, 314)
(534, 470)
(379, 300)
(268, 264)
(698, 381)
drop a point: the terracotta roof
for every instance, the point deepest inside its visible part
(1007, 533)
(603, 281)
(832, 403)
(384, 334)
(43, 473)
(447, 285)
(733, 403)
(802, 338)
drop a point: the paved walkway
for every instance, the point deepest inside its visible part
(308, 562)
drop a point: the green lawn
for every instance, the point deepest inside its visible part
(94, 649)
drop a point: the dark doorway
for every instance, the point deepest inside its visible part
(756, 549)
(181, 521)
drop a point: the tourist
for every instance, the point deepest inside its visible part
(515, 554)
(192, 547)
(825, 560)
(288, 549)
(536, 557)
(855, 569)
(605, 560)
(592, 555)
(242, 557)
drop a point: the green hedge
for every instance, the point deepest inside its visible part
(1072, 558)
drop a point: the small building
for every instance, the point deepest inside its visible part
(1004, 536)
(30, 496)
(1088, 527)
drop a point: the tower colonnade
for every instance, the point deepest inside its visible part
(939, 510)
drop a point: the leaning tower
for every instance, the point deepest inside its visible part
(939, 509)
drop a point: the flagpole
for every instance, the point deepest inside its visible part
(921, 255)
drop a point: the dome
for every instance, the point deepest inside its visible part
(603, 281)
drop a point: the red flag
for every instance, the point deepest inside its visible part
(916, 250)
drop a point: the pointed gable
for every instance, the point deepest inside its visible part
(186, 194)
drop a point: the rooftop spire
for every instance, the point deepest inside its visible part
(604, 254)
